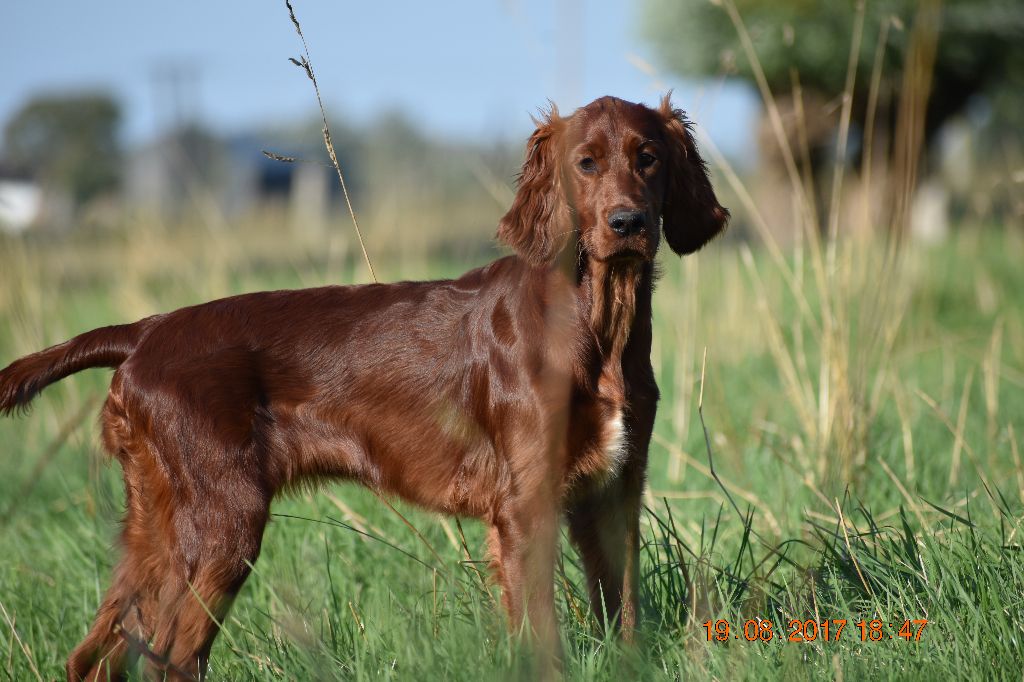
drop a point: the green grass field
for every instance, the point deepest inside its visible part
(864, 414)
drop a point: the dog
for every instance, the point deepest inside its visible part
(518, 393)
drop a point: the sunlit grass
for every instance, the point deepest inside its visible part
(929, 525)
(862, 397)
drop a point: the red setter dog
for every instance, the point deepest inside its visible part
(520, 391)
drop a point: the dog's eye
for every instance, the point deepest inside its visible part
(588, 165)
(645, 160)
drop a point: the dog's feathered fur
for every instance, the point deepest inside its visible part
(516, 393)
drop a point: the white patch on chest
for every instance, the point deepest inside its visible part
(616, 444)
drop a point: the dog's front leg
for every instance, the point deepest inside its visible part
(605, 527)
(523, 542)
(604, 524)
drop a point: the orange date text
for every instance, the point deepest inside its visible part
(813, 630)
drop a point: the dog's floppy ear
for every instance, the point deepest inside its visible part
(538, 222)
(691, 215)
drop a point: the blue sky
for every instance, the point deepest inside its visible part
(461, 68)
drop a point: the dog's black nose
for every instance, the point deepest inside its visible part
(626, 222)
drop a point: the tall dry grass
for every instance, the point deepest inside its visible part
(833, 301)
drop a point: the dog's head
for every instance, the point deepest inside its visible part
(613, 175)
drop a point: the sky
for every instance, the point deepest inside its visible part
(462, 69)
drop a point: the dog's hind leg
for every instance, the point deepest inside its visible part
(102, 654)
(107, 652)
(223, 530)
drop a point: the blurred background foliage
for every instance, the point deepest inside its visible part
(972, 53)
(979, 61)
(65, 161)
(67, 141)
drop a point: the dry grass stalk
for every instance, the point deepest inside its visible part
(958, 436)
(853, 303)
(306, 64)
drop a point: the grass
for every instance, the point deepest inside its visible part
(920, 520)
(862, 406)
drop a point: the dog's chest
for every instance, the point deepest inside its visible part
(599, 435)
(614, 443)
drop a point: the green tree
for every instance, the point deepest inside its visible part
(69, 141)
(980, 49)
(939, 58)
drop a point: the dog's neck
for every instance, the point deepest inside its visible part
(614, 288)
(613, 297)
(616, 301)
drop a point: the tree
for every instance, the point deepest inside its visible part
(980, 48)
(68, 141)
(966, 52)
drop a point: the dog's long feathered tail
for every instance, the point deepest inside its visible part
(104, 347)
